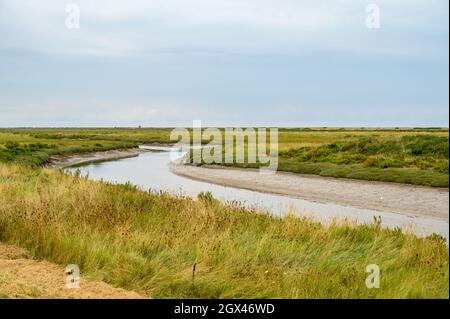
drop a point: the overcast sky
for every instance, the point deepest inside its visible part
(225, 62)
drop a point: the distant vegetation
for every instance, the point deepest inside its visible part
(413, 159)
(167, 247)
(34, 151)
(391, 156)
(416, 156)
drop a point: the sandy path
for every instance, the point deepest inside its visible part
(412, 200)
(57, 162)
(21, 277)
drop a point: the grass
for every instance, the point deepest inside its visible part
(412, 157)
(167, 247)
(34, 150)
(133, 135)
(416, 156)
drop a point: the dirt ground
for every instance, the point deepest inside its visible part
(63, 161)
(21, 277)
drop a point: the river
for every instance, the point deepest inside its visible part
(150, 171)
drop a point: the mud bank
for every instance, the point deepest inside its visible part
(63, 161)
(414, 201)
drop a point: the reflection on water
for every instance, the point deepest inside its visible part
(150, 171)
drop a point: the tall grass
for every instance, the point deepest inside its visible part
(167, 247)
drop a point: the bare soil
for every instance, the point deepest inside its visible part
(21, 277)
(63, 161)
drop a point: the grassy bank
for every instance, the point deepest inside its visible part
(404, 157)
(163, 246)
(33, 150)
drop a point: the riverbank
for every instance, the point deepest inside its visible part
(415, 201)
(162, 246)
(63, 161)
(412, 200)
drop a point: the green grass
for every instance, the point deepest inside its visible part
(34, 151)
(134, 135)
(357, 171)
(415, 159)
(402, 157)
(417, 151)
(413, 156)
(150, 243)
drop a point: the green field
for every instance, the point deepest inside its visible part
(34, 149)
(167, 247)
(414, 156)
(419, 158)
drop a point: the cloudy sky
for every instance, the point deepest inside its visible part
(225, 62)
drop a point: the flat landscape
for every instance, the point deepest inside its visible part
(224, 158)
(414, 156)
(158, 245)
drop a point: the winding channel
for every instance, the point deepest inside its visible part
(150, 171)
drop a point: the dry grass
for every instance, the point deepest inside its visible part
(149, 243)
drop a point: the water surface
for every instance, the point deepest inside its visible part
(150, 171)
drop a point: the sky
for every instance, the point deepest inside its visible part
(166, 63)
